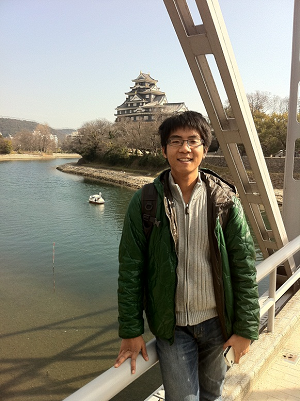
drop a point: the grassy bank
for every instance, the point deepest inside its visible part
(39, 156)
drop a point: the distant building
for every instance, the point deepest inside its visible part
(144, 101)
(54, 138)
(74, 134)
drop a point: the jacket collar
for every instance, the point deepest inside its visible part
(220, 191)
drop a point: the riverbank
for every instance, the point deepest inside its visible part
(104, 175)
(39, 156)
(123, 178)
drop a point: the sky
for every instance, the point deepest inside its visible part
(68, 62)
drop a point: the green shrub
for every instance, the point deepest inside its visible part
(5, 146)
(117, 156)
(154, 161)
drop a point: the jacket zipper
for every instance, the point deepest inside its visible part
(187, 215)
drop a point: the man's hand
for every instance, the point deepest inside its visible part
(130, 348)
(240, 345)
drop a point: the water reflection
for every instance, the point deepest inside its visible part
(99, 210)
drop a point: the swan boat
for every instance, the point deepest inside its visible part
(97, 199)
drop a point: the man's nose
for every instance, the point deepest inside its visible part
(185, 145)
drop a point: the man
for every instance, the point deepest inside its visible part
(195, 277)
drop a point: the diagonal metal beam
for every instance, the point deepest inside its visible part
(210, 39)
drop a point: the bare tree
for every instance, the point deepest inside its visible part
(279, 105)
(41, 140)
(93, 139)
(138, 136)
(24, 141)
(123, 132)
(44, 138)
(259, 101)
(66, 144)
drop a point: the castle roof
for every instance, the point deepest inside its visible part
(144, 78)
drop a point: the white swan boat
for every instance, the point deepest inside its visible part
(97, 199)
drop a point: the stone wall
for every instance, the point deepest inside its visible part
(274, 164)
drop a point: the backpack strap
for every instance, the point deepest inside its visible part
(149, 206)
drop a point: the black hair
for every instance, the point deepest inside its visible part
(187, 119)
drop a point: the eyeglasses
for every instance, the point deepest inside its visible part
(178, 142)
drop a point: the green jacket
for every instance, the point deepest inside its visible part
(147, 272)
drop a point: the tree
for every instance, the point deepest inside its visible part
(93, 139)
(272, 131)
(44, 138)
(5, 145)
(24, 140)
(141, 137)
(123, 133)
(67, 145)
(279, 105)
(40, 140)
(270, 115)
(228, 110)
(259, 101)
(138, 135)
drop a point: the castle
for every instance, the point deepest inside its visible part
(145, 101)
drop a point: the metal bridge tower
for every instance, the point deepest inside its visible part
(255, 188)
(291, 199)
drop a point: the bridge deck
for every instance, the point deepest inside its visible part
(281, 378)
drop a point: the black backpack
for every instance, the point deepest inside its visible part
(149, 206)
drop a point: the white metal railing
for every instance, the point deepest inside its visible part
(269, 266)
(111, 382)
(114, 380)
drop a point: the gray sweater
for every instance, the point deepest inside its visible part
(195, 298)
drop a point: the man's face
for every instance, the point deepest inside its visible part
(184, 160)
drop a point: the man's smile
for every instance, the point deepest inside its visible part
(185, 159)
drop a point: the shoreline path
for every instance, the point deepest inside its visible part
(110, 176)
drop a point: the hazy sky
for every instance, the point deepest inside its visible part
(67, 62)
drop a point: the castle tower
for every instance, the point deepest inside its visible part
(145, 101)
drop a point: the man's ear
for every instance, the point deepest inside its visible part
(164, 152)
(204, 153)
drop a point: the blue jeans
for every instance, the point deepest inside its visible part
(193, 367)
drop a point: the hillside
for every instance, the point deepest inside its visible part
(10, 126)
